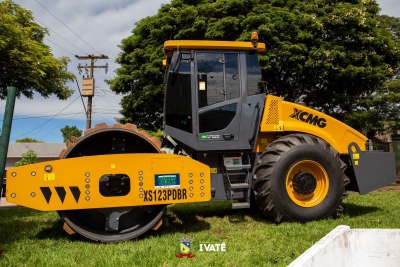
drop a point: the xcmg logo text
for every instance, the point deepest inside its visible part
(308, 118)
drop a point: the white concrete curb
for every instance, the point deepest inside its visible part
(5, 205)
(347, 247)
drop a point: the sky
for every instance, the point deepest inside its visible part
(80, 28)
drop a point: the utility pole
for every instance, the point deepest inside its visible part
(88, 84)
(5, 133)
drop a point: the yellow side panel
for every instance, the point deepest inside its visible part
(285, 116)
(75, 183)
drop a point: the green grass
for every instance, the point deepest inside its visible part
(33, 238)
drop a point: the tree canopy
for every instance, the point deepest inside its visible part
(334, 51)
(25, 61)
(379, 111)
(70, 131)
(28, 140)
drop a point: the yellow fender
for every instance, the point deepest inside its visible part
(283, 116)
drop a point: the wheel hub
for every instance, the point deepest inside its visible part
(304, 183)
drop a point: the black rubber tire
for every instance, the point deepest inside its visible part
(269, 180)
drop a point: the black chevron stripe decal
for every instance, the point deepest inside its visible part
(75, 192)
(46, 193)
(61, 193)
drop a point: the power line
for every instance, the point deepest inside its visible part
(109, 105)
(50, 132)
(106, 114)
(106, 107)
(46, 116)
(110, 111)
(61, 37)
(24, 116)
(79, 89)
(68, 27)
(59, 46)
(107, 119)
(40, 126)
(62, 114)
(45, 113)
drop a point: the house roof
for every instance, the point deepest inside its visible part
(43, 150)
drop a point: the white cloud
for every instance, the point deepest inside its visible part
(101, 23)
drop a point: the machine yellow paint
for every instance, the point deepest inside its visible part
(322, 183)
(209, 45)
(263, 140)
(24, 183)
(283, 116)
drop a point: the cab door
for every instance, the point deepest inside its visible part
(218, 97)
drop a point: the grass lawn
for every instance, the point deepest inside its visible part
(33, 238)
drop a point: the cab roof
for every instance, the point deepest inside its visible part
(169, 46)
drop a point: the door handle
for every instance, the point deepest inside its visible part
(228, 136)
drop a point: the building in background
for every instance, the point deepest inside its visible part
(44, 151)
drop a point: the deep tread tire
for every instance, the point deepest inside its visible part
(269, 181)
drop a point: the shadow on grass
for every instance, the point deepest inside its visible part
(172, 222)
(12, 213)
(354, 210)
(190, 218)
(22, 223)
(218, 209)
(182, 218)
(203, 209)
(56, 231)
(21, 228)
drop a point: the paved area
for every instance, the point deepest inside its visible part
(5, 205)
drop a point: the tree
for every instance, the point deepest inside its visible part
(28, 140)
(68, 132)
(331, 50)
(25, 61)
(390, 23)
(27, 158)
(379, 112)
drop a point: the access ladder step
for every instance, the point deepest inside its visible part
(242, 205)
(237, 167)
(240, 186)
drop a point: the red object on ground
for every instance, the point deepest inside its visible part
(181, 255)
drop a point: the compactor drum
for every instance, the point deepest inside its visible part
(232, 141)
(120, 223)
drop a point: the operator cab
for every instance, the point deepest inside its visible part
(214, 94)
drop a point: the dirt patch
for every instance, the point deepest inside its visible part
(391, 187)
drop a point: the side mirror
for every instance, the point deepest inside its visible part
(177, 62)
